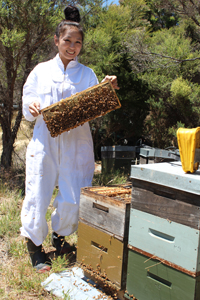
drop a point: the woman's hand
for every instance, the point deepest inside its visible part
(113, 80)
(34, 108)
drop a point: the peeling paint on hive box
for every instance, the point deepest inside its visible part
(150, 279)
(102, 253)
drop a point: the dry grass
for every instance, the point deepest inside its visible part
(18, 280)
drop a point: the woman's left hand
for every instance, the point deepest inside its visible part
(113, 80)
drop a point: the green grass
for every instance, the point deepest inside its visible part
(113, 178)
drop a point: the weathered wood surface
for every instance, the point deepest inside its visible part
(80, 108)
(107, 208)
(170, 241)
(175, 205)
(102, 253)
(149, 279)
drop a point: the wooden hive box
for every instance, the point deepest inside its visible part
(107, 208)
(104, 215)
(80, 108)
(164, 190)
(149, 279)
(173, 244)
(103, 257)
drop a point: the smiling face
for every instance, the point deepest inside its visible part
(69, 44)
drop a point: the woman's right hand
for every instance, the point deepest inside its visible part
(34, 108)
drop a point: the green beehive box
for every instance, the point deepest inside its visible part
(149, 279)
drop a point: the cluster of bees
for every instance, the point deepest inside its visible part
(80, 108)
(101, 280)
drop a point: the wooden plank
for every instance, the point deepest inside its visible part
(110, 214)
(175, 205)
(150, 279)
(103, 254)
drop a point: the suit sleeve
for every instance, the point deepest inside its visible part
(93, 79)
(30, 94)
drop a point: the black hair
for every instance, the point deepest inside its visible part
(64, 24)
(72, 14)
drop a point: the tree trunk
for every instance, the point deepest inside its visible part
(8, 137)
(6, 157)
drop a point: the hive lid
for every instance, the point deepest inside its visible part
(168, 174)
(118, 148)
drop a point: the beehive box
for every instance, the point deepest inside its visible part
(80, 108)
(164, 190)
(103, 256)
(149, 279)
(117, 158)
(107, 209)
(175, 245)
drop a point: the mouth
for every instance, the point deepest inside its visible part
(70, 52)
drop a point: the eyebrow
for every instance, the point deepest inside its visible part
(69, 36)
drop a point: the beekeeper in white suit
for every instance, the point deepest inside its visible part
(66, 160)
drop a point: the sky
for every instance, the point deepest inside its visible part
(112, 1)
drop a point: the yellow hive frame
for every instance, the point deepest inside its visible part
(188, 142)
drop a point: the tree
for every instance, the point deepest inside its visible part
(105, 52)
(25, 27)
(188, 9)
(170, 65)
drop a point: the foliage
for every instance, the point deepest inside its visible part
(25, 26)
(169, 67)
(160, 17)
(109, 55)
(180, 89)
(110, 178)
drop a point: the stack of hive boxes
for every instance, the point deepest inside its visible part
(164, 236)
(104, 216)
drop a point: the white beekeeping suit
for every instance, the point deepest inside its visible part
(66, 160)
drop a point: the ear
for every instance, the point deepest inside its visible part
(56, 40)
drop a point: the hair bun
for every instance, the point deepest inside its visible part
(72, 14)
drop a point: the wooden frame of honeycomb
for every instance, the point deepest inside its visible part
(82, 107)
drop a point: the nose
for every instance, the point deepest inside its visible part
(72, 45)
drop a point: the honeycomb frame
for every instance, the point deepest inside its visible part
(80, 108)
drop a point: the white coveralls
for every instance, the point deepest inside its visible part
(66, 160)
